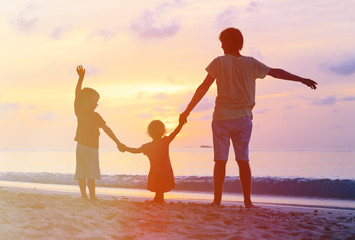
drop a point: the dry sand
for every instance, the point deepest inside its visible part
(36, 214)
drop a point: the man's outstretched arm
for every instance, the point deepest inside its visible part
(199, 94)
(282, 74)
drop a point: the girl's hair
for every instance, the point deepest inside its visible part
(156, 129)
(232, 39)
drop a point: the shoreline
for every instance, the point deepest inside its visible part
(188, 196)
(28, 213)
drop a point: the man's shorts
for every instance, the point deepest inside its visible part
(239, 131)
(87, 162)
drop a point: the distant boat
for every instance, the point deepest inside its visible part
(205, 146)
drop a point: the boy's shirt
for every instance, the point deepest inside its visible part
(235, 79)
(89, 122)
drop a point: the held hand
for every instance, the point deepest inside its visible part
(81, 71)
(121, 147)
(310, 83)
(183, 118)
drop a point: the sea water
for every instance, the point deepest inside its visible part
(301, 173)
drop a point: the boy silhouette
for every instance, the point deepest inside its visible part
(235, 77)
(87, 136)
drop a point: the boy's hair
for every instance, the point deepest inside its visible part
(231, 39)
(156, 128)
(89, 93)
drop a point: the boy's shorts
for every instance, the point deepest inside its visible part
(239, 130)
(87, 162)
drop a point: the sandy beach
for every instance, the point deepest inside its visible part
(38, 214)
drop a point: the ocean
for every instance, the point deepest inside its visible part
(316, 175)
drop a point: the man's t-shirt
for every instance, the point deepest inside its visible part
(89, 122)
(235, 79)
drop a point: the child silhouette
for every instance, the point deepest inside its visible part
(87, 136)
(161, 176)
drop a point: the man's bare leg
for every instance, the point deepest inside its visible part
(219, 174)
(245, 181)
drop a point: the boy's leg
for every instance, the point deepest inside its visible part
(219, 174)
(82, 186)
(245, 181)
(91, 186)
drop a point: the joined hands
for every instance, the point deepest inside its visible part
(121, 147)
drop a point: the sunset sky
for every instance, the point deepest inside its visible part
(146, 58)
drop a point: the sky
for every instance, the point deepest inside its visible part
(146, 58)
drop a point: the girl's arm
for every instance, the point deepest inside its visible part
(133, 150)
(175, 132)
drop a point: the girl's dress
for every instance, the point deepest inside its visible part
(161, 176)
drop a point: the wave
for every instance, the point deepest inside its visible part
(295, 187)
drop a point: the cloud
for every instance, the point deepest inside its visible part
(103, 33)
(144, 116)
(289, 107)
(227, 18)
(261, 111)
(159, 96)
(203, 105)
(348, 99)
(9, 106)
(58, 32)
(331, 100)
(343, 67)
(152, 24)
(252, 6)
(26, 20)
(46, 116)
(158, 109)
(92, 71)
(336, 127)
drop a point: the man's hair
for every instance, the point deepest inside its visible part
(231, 39)
(87, 93)
(156, 128)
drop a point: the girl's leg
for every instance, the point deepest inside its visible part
(82, 186)
(159, 197)
(91, 186)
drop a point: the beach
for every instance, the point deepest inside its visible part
(40, 214)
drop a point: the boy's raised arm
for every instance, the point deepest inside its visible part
(282, 74)
(81, 72)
